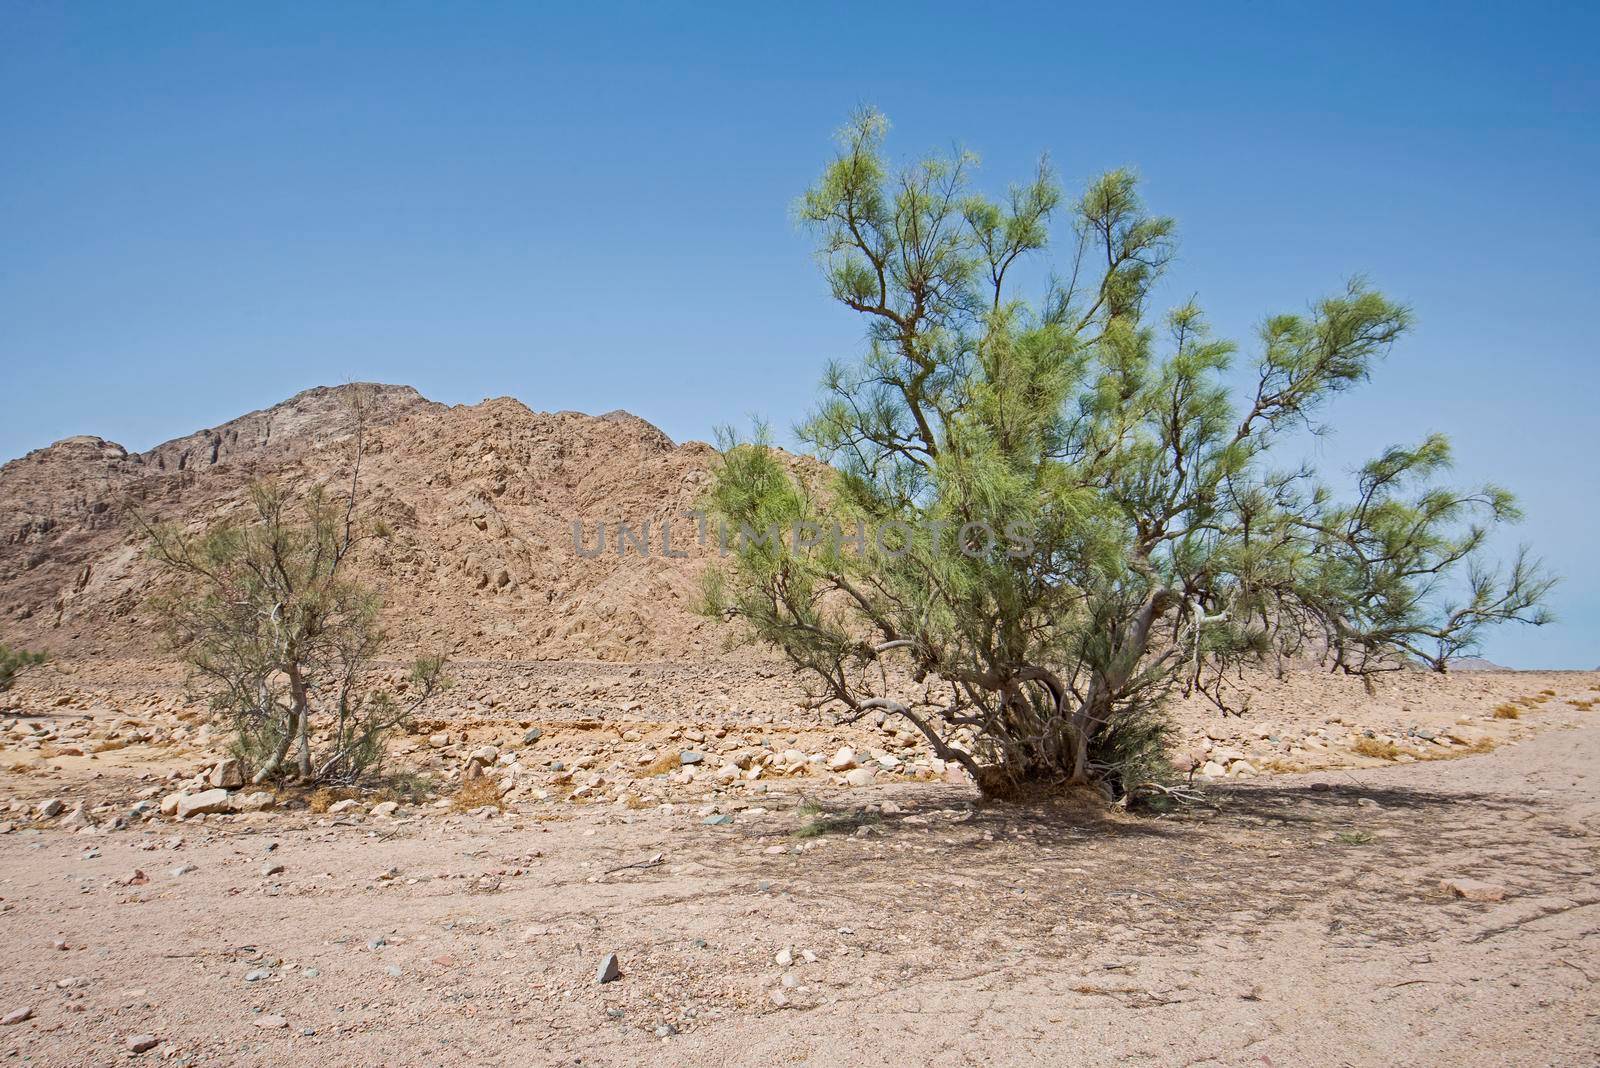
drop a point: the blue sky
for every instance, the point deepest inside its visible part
(208, 207)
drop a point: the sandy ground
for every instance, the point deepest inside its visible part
(1300, 920)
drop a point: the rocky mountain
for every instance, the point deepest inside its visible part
(482, 499)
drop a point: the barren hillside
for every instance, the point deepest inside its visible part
(482, 500)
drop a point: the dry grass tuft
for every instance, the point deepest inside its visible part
(477, 792)
(664, 764)
(323, 797)
(1508, 711)
(1372, 747)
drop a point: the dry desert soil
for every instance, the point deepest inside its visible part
(1441, 908)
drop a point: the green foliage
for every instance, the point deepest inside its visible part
(1084, 517)
(14, 662)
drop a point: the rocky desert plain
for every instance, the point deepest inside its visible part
(620, 837)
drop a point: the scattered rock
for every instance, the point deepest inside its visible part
(843, 760)
(16, 1016)
(270, 1021)
(339, 807)
(259, 801)
(50, 809)
(227, 775)
(1473, 889)
(385, 808)
(860, 776)
(608, 971)
(690, 757)
(141, 1043)
(201, 803)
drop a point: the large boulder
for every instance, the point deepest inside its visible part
(227, 775)
(201, 803)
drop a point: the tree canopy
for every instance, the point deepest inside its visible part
(1082, 515)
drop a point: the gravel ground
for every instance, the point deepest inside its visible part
(1301, 920)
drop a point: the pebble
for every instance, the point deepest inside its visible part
(16, 1016)
(608, 970)
(270, 1021)
(140, 1043)
(257, 975)
(1473, 889)
(784, 958)
(271, 869)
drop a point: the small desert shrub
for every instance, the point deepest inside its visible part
(1355, 837)
(837, 824)
(14, 662)
(280, 636)
(1508, 711)
(476, 792)
(1372, 747)
(1547, 693)
(406, 787)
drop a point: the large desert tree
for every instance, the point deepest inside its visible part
(263, 606)
(1042, 518)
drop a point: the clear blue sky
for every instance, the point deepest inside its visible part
(205, 208)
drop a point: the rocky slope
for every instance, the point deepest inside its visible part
(482, 501)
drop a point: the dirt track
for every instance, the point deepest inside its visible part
(1296, 925)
